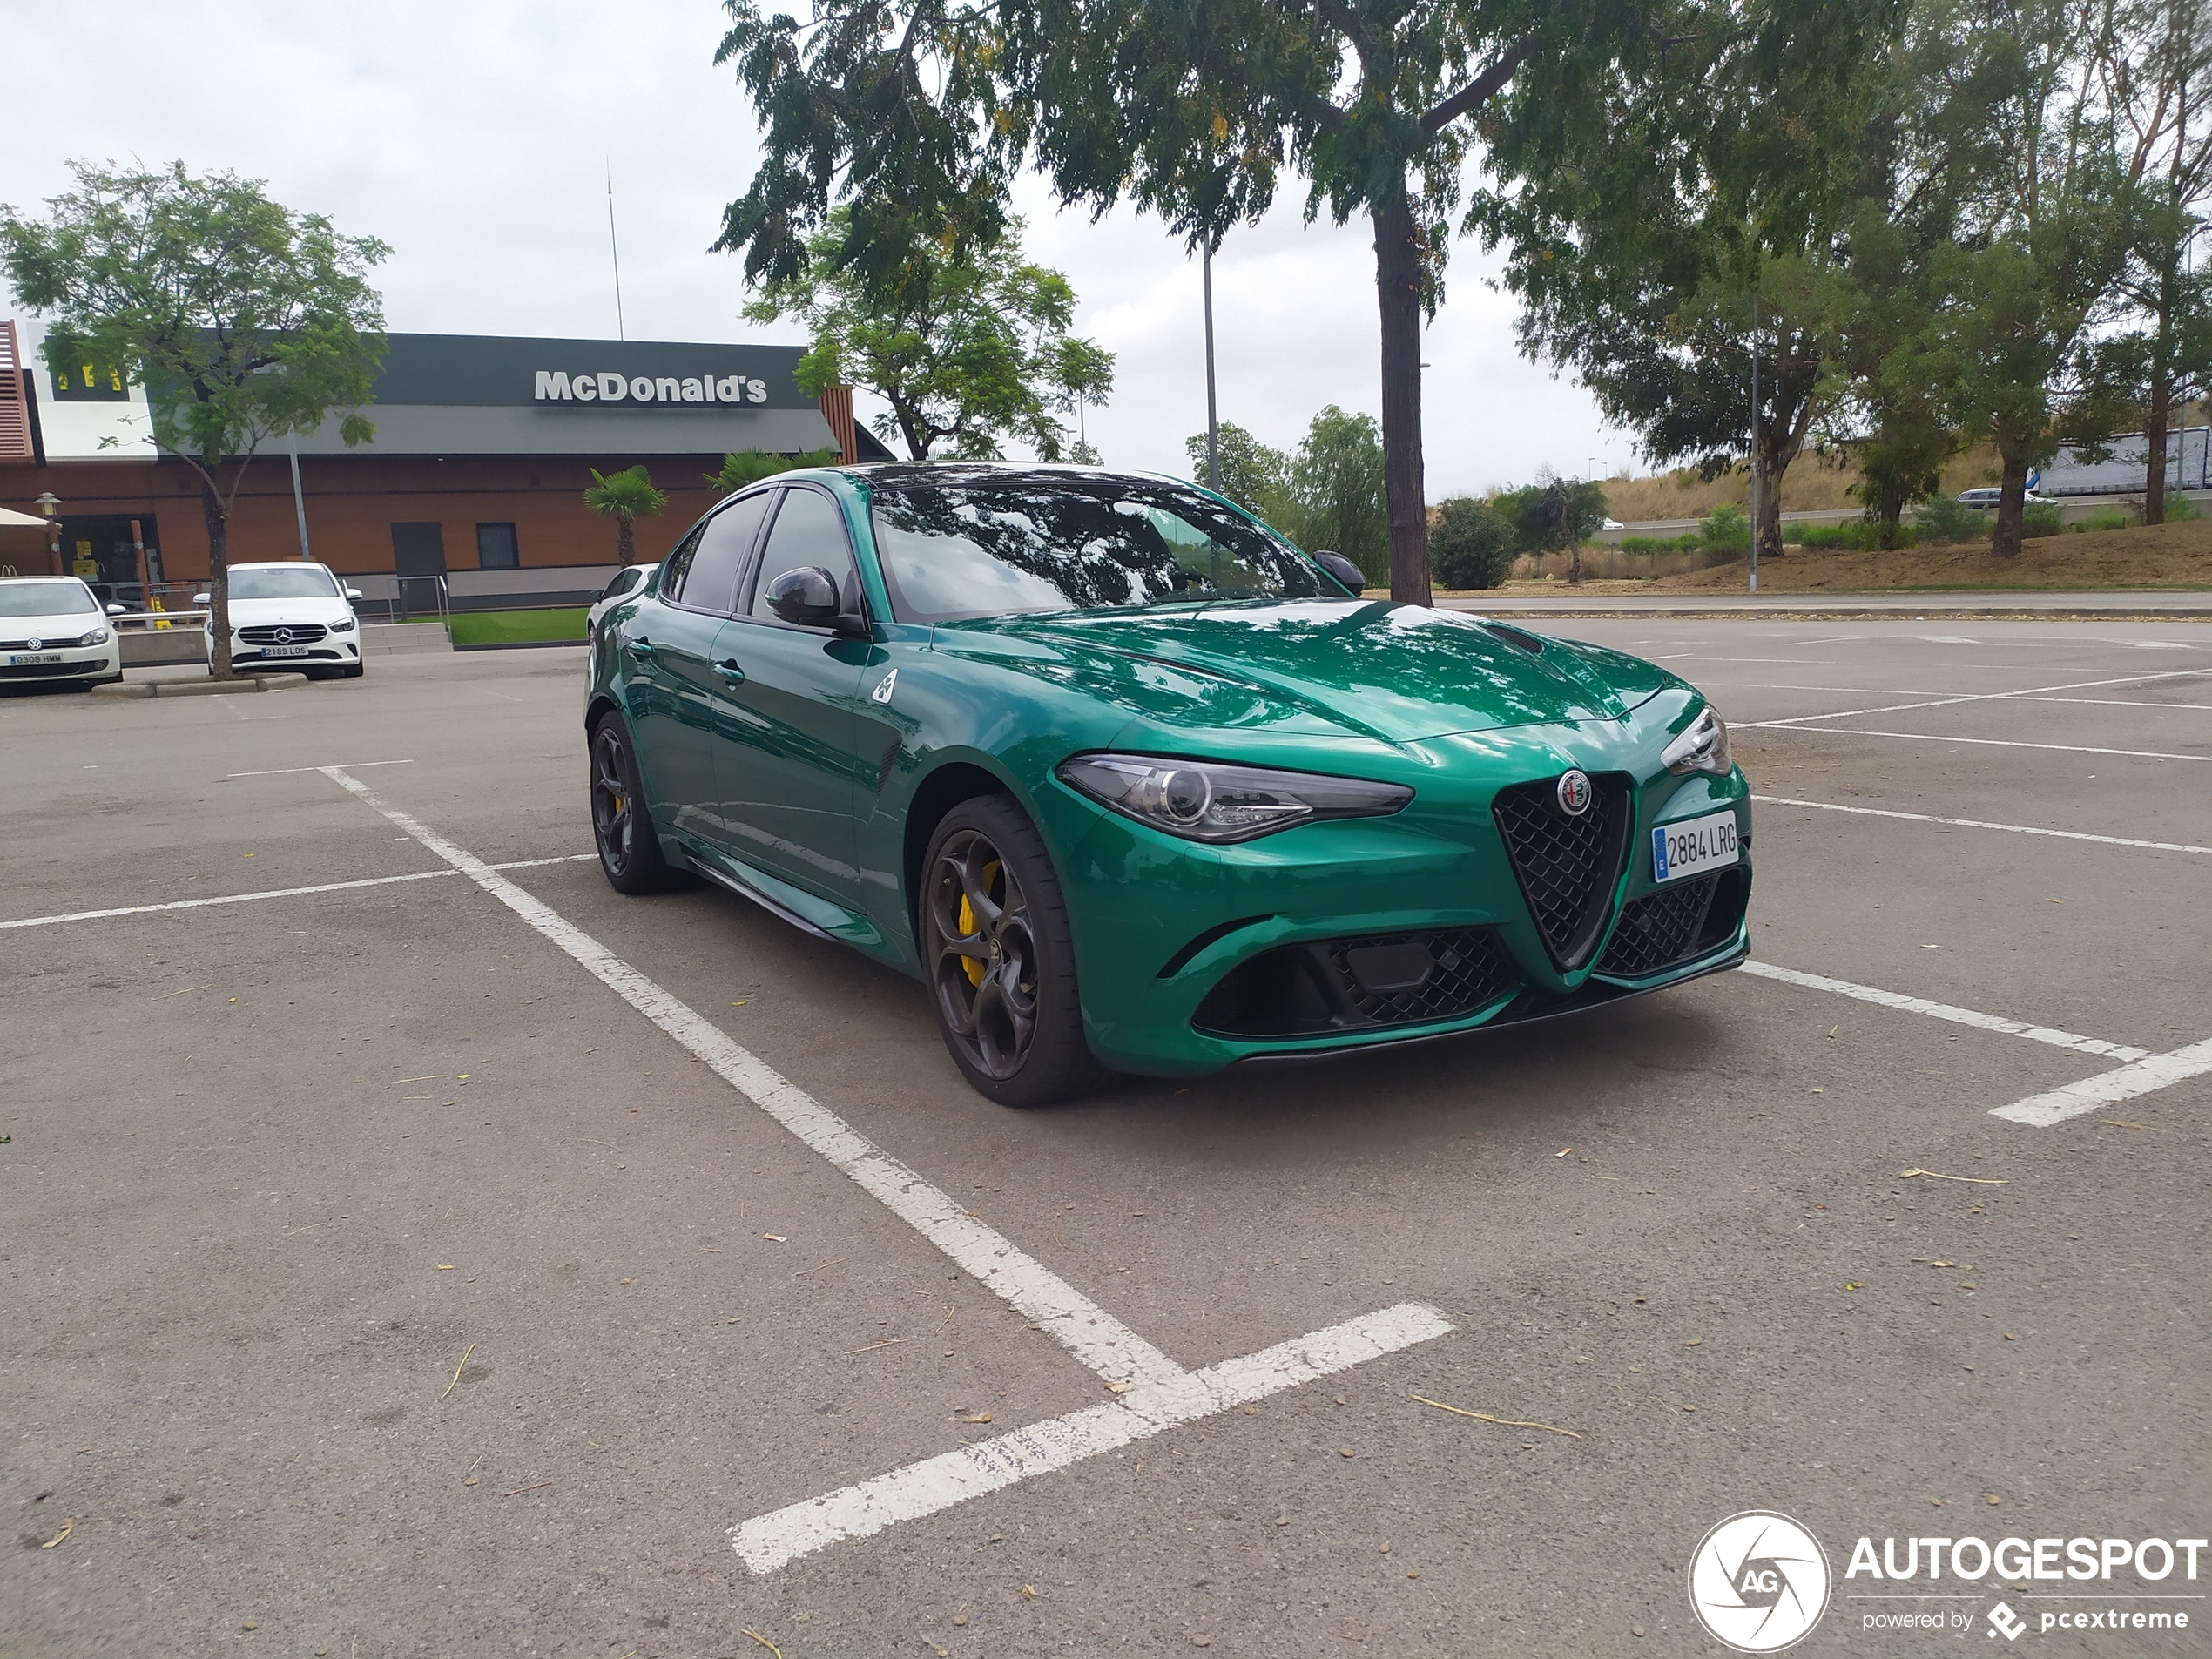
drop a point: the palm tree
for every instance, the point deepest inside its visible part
(624, 496)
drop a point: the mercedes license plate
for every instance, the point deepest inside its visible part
(284, 650)
(1705, 843)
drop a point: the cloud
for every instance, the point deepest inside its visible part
(476, 139)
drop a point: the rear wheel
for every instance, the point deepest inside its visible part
(621, 826)
(1001, 957)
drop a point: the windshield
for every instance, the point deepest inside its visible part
(282, 582)
(45, 599)
(1009, 546)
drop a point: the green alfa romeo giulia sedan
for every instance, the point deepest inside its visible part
(1127, 780)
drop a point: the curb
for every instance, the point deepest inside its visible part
(201, 688)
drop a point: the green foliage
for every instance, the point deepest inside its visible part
(1552, 513)
(1944, 519)
(2042, 518)
(1686, 542)
(482, 629)
(2108, 520)
(624, 496)
(970, 351)
(1253, 475)
(744, 466)
(242, 320)
(1469, 545)
(2178, 507)
(1823, 537)
(1725, 529)
(1336, 487)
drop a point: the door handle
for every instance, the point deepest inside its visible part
(728, 669)
(641, 647)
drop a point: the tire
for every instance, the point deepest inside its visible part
(1007, 1006)
(622, 827)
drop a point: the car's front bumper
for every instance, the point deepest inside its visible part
(332, 650)
(61, 665)
(1188, 955)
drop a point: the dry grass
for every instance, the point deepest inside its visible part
(1812, 484)
(2157, 556)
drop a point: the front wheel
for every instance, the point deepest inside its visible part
(1001, 958)
(621, 826)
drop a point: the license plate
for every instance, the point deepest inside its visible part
(284, 650)
(1706, 843)
(23, 659)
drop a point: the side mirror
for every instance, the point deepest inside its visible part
(115, 611)
(353, 593)
(807, 597)
(1343, 569)
(203, 598)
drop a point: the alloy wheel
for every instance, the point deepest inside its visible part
(614, 818)
(982, 954)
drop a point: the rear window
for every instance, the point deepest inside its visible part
(45, 599)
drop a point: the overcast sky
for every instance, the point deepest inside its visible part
(476, 138)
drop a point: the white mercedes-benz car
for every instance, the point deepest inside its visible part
(292, 614)
(52, 630)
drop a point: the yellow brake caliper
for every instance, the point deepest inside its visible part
(974, 964)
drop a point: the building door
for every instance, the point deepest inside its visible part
(105, 551)
(419, 561)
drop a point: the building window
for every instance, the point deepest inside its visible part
(495, 548)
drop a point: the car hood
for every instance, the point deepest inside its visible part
(71, 624)
(1402, 673)
(256, 611)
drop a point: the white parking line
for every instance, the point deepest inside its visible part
(2109, 1088)
(1160, 1393)
(1976, 823)
(1995, 742)
(1905, 1004)
(1973, 696)
(768, 1542)
(276, 892)
(351, 765)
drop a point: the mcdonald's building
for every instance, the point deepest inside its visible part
(484, 446)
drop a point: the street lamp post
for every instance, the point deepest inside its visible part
(49, 504)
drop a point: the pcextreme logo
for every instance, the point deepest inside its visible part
(1758, 1582)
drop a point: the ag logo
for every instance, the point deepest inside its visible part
(1575, 792)
(1758, 1582)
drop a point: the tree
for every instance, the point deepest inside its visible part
(969, 349)
(742, 468)
(1552, 515)
(919, 110)
(1253, 475)
(1336, 486)
(1471, 545)
(624, 496)
(242, 320)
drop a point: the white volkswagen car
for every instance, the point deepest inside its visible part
(54, 631)
(292, 614)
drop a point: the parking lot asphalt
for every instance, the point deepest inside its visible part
(381, 1280)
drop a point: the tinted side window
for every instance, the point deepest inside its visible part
(710, 581)
(673, 568)
(809, 530)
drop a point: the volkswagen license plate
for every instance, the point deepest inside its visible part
(1705, 843)
(23, 659)
(284, 650)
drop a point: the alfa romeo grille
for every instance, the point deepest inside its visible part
(296, 633)
(1566, 865)
(1658, 929)
(1466, 968)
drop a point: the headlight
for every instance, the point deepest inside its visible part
(97, 637)
(343, 625)
(1206, 800)
(1703, 748)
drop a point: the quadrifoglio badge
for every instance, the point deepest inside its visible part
(1760, 1581)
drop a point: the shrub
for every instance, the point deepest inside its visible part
(1725, 529)
(2178, 507)
(1944, 519)
(2108, 520)
(2042, 518)
(1471, 546)
(1659, 543)
(1830, 535)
